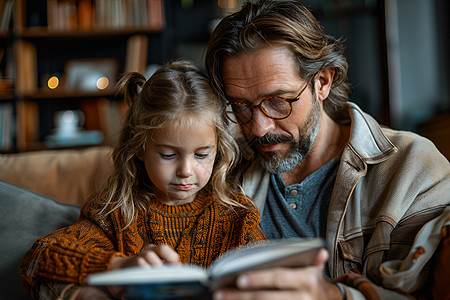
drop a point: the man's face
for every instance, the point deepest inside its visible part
(271, 71)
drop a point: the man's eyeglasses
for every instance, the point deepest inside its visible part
(277, 108)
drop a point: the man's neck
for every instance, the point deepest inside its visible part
(329, 142)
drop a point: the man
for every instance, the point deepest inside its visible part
(317, 166)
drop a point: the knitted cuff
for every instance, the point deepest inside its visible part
(341, 288)
(360, 283)
(97, 260)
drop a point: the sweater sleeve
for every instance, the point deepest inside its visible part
(248, 220)
(71, 253)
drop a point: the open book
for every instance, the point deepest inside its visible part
(192, 282)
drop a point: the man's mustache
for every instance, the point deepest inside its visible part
(270, 139)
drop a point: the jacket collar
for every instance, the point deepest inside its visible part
(367, 145)
(367, 138)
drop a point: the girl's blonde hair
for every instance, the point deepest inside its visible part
(177, 92)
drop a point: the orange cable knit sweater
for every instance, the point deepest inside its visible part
(199, 231)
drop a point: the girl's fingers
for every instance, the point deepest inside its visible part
(165, 253)
(150, 258)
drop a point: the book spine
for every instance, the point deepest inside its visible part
(136, 56)
(85, 14)
(7, 11)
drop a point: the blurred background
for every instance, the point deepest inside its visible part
(397, 52)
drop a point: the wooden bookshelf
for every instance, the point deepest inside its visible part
(45, 36)
(7, 98)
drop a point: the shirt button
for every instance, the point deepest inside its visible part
(293, 205)
(294, 192)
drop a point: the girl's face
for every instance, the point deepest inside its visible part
(179, 161)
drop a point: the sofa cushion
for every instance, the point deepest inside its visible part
(24, 217)
(68, 175)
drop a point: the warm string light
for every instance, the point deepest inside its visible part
(102, 83)
(53, 82)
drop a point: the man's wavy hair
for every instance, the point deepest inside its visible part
(282, 22)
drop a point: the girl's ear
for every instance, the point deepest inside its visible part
(140, 155)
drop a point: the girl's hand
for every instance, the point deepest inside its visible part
(152, 255)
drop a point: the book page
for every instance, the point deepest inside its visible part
(280, 253)
(143, 275)
(192, 282)
(184, 281)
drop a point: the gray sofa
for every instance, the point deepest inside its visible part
(41, 192)
(24, 217)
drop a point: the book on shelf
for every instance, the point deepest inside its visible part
(28, 129)
(85, 14)
(6, 88)
(192, 282)
(136, 55)
(66, 15)
(6, 126)
(155, 14)
(70, 14)
(26, 67)
(103, 115)
(6, 7)
(125, 14)
(52, 15)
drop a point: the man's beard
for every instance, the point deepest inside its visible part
(277, 162)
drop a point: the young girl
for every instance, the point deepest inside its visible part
(171, 198)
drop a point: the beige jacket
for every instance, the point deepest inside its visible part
(389, 184)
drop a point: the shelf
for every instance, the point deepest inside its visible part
(44, 95)
(6, 97)
(78, 42)
(43, 32)
(5, 35)
(6, 89)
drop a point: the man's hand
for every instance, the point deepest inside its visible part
(284, 283)
(152, 255)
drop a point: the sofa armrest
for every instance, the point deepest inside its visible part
(68, 175)
(25, 216)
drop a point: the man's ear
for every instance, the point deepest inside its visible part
(322, 83)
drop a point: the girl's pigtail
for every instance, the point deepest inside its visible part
(123, 183)
(130, 86)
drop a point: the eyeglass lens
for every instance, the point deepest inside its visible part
(273, 107)
(239, 113)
